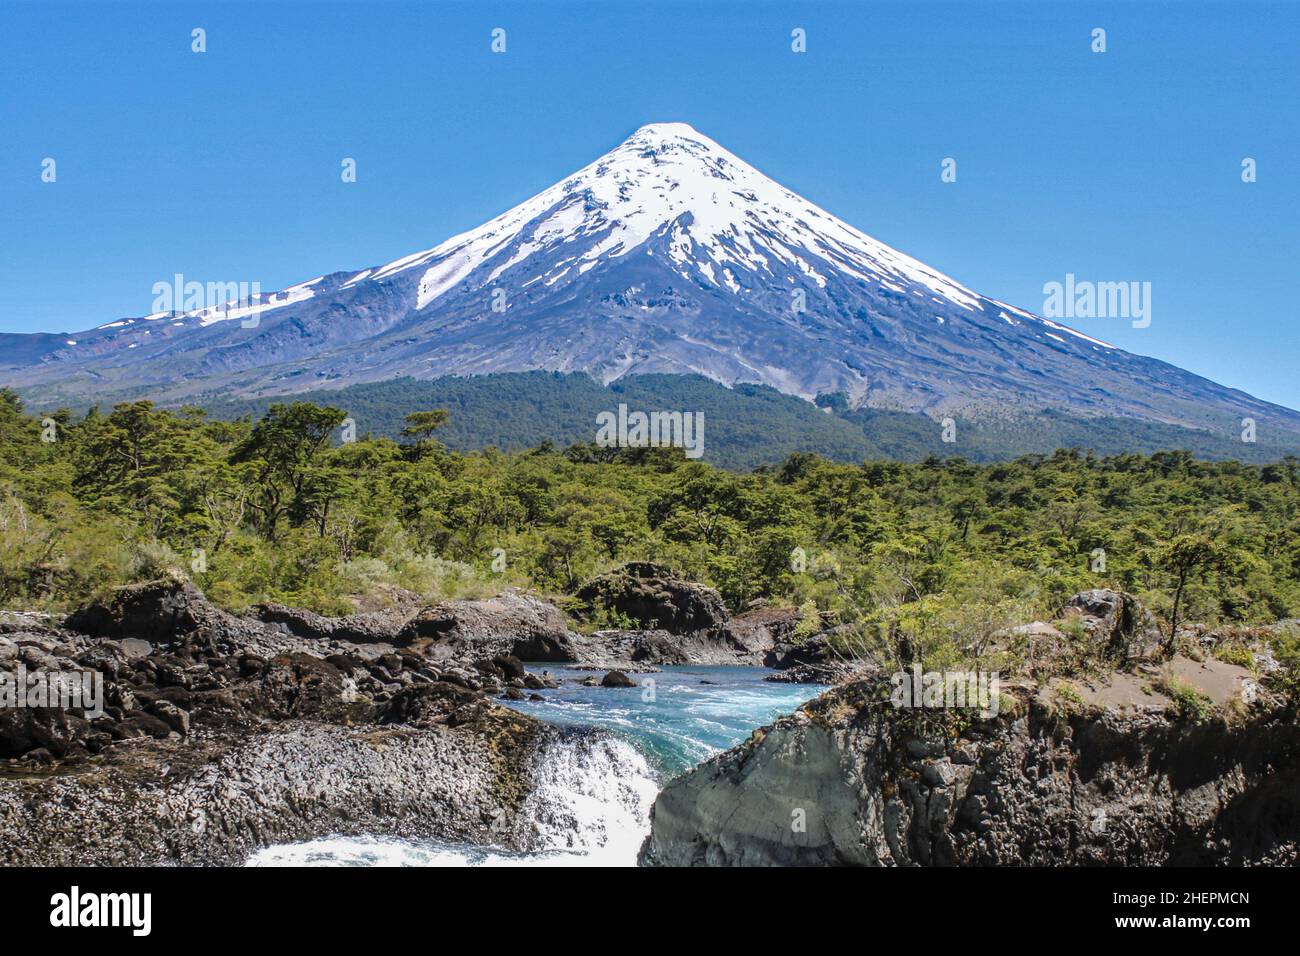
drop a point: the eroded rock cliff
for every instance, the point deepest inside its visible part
(850, 780)
(1101, 749)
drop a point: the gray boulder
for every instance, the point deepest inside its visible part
(1121, 627)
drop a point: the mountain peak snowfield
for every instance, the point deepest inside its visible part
(719, 214)
(668, 254)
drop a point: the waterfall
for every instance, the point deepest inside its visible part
(591, 798)
(589, 806)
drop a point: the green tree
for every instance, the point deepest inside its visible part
(1182, 557)
(422, 425)
(282, 448)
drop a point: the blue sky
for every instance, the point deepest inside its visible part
(1122, 166)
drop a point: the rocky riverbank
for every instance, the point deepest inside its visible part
(215, 734)
(221, 734)
(1155, 758)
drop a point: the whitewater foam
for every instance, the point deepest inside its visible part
(590, 806)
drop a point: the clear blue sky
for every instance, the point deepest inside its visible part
(225, 166)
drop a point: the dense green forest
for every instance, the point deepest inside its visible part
(284, 508)
(747, 425)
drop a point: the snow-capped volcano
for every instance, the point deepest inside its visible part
(667, 254)
(717, 214)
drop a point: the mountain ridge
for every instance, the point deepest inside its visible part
(667, 255)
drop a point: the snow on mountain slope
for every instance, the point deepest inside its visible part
(667, 254)
(720, 212)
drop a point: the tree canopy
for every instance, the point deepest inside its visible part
(283, 508)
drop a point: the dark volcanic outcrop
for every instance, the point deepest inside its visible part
(812, 660)
(156, 611)
(655, 598)
(216, 803)
(682, 622)
(761, 629)
(678, 622)
(374, 627)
